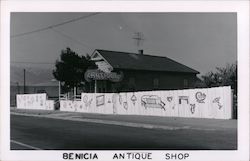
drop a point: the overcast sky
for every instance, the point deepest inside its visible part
(201, 41)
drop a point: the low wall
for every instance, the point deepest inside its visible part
(34, 101)
(200, 103)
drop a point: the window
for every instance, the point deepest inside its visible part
(185, 83)
(156, 83)
(132, 81)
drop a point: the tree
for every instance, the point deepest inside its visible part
(223, 76)
(70, 69)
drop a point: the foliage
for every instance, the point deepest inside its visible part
(223, 76)
(71, 68)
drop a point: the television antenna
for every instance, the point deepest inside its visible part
(139, 38)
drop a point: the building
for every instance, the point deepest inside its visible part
(122, 71)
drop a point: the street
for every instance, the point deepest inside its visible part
(29, 132)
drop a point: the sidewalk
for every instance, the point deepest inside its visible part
(167, 123)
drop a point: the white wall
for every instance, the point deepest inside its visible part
(200, 103)
(34, 101)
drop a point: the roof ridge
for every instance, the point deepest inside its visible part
(132, 53)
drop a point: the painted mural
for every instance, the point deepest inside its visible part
(100, 100)
(34, 101)
(152, 101)
(200, 103)
(200, 97)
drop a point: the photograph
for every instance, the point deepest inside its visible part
(108, 81)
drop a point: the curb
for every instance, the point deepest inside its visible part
(117, 123)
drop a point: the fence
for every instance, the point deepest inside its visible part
(34, 101)
(200, 103)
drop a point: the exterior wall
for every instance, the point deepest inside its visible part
(144, 81)
(34, 102)
(198, 103)
(52, 92)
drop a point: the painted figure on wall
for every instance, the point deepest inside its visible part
(100, 100)
(171, 102)
(152, 101)
(217, 101)
(192, 108)
(125, 102)
(133, 99)
(200, 97)
(169, 99)
(183, 99)
(87, 101)
(116, 102)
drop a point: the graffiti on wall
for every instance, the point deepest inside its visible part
(200, 97)
(192, 108)
(49, 104)
(109, 100)
(170, 98)
(187, 103)
(75, 106)
(87, 101)
(133, 99)
(125, 103)
(100, 100)
(70, 104)
(183, 99)
(31, 101)
(34, 101)
(120, 99)
(217, 101)
(152, 101)
(115, 100)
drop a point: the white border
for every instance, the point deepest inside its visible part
(242, 9)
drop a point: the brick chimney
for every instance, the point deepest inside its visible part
(140, 52)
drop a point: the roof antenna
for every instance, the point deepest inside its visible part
(139, 38)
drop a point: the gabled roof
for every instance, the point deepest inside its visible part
(134, 61)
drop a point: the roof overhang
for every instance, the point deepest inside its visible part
(101, 62)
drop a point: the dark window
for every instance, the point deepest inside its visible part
(132, 81)
(156, 83)
(185, 83)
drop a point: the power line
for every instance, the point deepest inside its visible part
(21, 62)
(71, 38)
(53, 26)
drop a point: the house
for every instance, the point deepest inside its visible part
(121, 71)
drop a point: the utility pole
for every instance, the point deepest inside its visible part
(59, 90)
(95, 86)
(18, 90)
(24, 91)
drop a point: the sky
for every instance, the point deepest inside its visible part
(201, 41)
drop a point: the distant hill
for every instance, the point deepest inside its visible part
(34, 76)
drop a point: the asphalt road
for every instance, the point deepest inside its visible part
(47, 134)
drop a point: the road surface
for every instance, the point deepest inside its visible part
(46, 133)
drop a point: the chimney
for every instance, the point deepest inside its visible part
(140, 52)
